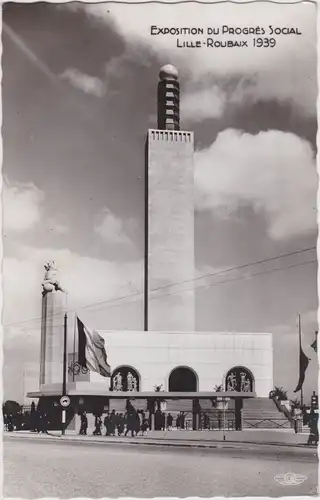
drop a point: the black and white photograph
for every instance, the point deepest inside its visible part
(159, 272)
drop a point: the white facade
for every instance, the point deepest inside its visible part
(210, 355)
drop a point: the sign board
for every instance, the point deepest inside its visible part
(65, 401)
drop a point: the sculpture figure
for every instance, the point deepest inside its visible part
(231, 382)
(130, 382)
(50, 281)
(245, 385)
(135, 384)
(117, 382)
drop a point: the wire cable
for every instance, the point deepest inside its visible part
(134, 295)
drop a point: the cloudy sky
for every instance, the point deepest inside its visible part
(79, 93)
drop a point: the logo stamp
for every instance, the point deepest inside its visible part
(290, 479)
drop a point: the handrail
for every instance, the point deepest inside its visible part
(272, 420)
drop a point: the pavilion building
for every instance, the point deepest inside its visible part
(169, 353)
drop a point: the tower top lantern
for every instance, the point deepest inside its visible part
(168, 72)
(168, 98)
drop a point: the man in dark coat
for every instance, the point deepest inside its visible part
(10, 424)
(182, 420)
(131, 423)
(313, 424)
(113, 422)
(137, 423)
(169, 421)
(120, 424)
(97, 423)
(178, 420)
(84, 424)
(106, 423)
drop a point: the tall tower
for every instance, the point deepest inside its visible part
(53, 310)
(169, 215)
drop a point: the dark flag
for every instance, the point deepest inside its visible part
(92, 353)
(303, 362)
(314, 345)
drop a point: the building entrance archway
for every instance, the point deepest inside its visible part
(183, 379)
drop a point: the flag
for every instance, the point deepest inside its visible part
(92, 353)
(303, 362)
(314, 344)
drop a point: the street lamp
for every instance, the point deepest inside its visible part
(224, 401)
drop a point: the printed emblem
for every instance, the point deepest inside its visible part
(290, 479)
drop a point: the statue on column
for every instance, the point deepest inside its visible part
(51, 281)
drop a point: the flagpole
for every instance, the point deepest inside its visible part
(74, 346)
(64, 379)
(300, 347)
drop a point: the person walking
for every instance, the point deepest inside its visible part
(169, 421)
(113, 421)
(10, 425)
(131, 423)
(163, 421)
(144, 425)
(120, 424)
(5, 421)
(97, 423)
(45, 422)
(178, 420)
(313, 425)
(297, 420)
(84, 424)
(106, 424)
(40, 422)
(182, 420)
(137, 422)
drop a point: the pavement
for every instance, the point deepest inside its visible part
(200, 439)
(49, 466)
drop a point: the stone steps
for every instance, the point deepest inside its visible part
(262, 413)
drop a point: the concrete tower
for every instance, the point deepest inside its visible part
(53, 310)
(169, 215)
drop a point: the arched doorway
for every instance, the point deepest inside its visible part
(239, 379)
(183, 379)
(125, 378)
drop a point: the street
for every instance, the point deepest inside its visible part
(34, 469)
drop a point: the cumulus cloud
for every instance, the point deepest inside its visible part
(203, 103)
(285, 72)
(88, 84)
(60, 228)
(273, 171)
(112, 229)
(87, 280)
(21, 206)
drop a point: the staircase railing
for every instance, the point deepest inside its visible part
(256, 423)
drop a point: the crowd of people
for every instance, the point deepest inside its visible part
(131, 422)
(36, 422)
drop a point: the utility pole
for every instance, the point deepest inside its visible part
(300, 347)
